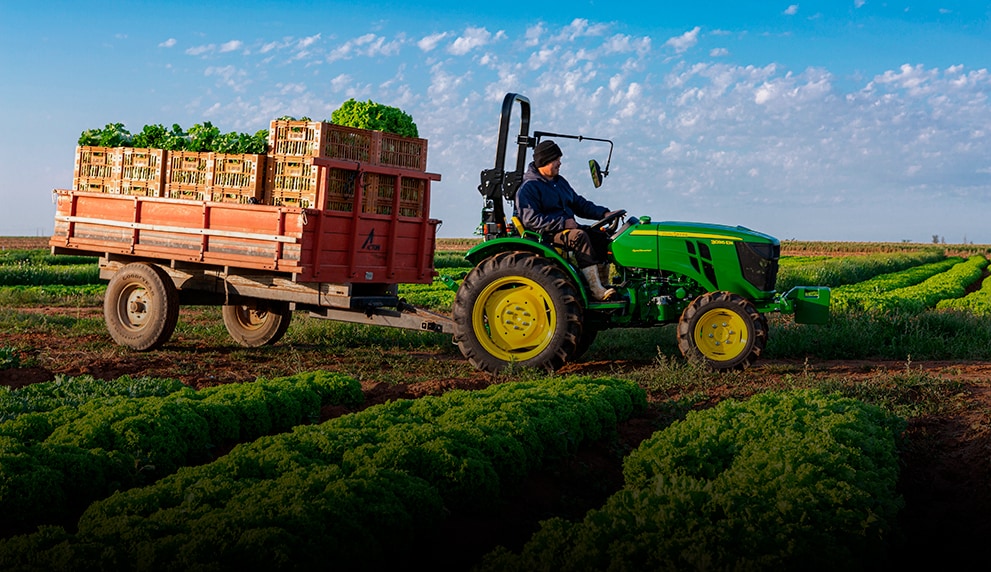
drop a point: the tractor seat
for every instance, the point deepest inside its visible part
(544, 239)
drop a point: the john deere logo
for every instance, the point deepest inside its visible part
(369, 243)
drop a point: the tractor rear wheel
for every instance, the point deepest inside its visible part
(254, 325)
(722, 330)
(517, 308)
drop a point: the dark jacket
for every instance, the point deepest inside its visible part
(544, 204)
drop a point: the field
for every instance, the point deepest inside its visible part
(910, 334)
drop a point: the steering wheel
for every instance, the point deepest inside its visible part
(609, 224)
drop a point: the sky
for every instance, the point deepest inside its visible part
(839, 120)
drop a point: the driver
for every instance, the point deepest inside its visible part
(547, 204)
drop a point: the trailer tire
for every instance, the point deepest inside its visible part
(141, 306)
(534, 301)
(258, 324)
(722, 330)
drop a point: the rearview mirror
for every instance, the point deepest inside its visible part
(596, 171)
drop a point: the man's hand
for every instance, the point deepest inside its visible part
(570, 223)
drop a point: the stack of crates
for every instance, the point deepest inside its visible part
(96, 170)
(237, 178)
(217, 177)
(292, 178)
(120, 170)
(188, 176)
(142, 171)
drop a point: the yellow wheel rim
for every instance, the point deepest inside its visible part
(721, 334)
(514, 318)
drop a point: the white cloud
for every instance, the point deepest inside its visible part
(791, 10)
(684, 42)
(429, 43)
(168, 43)
(471, 39)
(718, 52)
(369, 45)
(230, 46)
(200, 50)
(533, 34)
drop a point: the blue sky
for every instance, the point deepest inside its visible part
(860, 120)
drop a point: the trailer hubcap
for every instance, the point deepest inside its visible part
(251, 318)
(721, 334)
(133, 307)
(514, 319)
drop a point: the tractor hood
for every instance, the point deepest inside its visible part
(718, 257)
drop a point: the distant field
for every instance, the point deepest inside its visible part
(788, 247)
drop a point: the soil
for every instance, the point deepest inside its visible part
(946, 458)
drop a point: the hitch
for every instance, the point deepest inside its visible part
(810, 304)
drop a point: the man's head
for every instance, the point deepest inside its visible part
(547, 158)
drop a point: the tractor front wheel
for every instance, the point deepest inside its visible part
(722, 330)
(517, 308)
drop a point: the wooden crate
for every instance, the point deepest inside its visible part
(238, 177)
(142, 171)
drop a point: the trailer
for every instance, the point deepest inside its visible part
(339, 255)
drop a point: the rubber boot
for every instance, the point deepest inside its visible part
(591, 274)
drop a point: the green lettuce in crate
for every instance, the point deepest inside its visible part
(375, 117)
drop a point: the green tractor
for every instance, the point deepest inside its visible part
(526, 303)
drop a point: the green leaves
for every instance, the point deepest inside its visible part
(201, 137)
(375, 117)
(362, 490)
(789, 480)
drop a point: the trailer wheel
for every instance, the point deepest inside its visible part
(141, 306)
(722, 330)
(517, 308)
(261, 323)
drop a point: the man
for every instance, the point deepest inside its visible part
(547, 204)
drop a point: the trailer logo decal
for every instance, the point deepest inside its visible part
(369, 243)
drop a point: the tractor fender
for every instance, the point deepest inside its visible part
(512, 244)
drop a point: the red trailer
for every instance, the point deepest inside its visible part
(338, 250)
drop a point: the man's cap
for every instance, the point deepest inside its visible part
(545, 152)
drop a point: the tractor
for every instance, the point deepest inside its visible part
(525, 303)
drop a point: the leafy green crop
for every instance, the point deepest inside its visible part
(201, 137)
(361, 491)
(839, 271)
(64, 447)
(375, 117)
(785, 481)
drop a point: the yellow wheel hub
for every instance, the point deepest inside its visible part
(514, 318)
(721, 334)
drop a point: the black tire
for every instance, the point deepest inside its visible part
(585, 341)
(534, 301)
(261, 323)
(141, 306)
(722, 330)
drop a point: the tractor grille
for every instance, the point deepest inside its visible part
(759, 263)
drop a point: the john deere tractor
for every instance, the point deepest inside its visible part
(526, 303)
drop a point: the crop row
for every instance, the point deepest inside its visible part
(853, 296)
(785, 481)
(359, 491)
(838, 271)
(977, 302)
(946, 285)
(61, 450)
